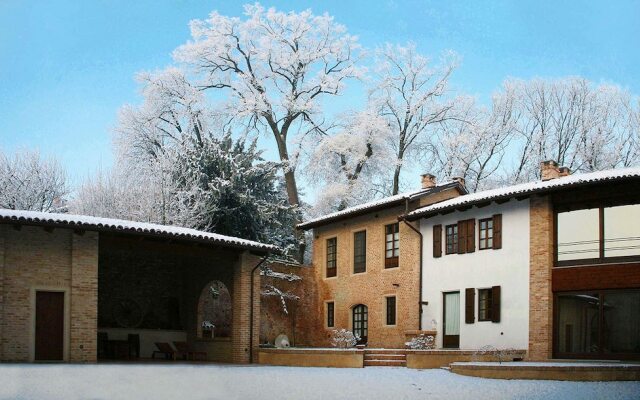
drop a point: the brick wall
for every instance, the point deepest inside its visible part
(369, 288)
(541, 263)
(2, 234)
(35, 259)
(84, 297)
(299, 323)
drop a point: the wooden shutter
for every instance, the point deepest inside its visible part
(470, 236)
(495, 304)
(469, 305)
(462, 237)
(437, 240)
(497, 231)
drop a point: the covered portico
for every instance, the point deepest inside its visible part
(122, 283)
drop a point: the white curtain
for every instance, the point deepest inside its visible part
(452, 313)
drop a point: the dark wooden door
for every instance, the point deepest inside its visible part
(49, 326)
(451, 320)
(361, 323)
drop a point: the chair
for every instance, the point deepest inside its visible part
(183, 348)
(103, 345)
(134, 345)
(165, 349)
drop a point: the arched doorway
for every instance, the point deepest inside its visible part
(360, 315)
(214, 310)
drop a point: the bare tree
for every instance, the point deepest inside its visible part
(31, 182)
(410, 94)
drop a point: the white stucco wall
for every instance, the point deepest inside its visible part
(507, 267)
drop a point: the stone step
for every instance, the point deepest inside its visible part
(399, 357)
(385, 363)
(385, 351)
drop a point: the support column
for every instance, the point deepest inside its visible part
(540, 268)
(241, 330)
(84, 297)
(2, 319)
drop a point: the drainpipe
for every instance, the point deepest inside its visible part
(413, 228)
(253, 272)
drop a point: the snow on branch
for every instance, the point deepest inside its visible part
(271, 290)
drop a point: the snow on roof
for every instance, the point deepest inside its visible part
(525, 189)
(108, 224)
(376, 204)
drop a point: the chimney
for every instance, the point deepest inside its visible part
(550, 170)
(428, 181)
(458, 179)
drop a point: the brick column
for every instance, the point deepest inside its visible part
(241, 309)
(2, 233)
(540, 267)
(84, 297)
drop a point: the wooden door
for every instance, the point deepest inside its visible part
(361, 323)
(451, 320)
(49, 326)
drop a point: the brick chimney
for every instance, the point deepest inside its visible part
(458, 179)
(550, 170)
(428, 181)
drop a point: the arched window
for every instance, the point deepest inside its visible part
(214, 311)
(361, 322)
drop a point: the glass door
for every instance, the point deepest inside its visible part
(451, 323)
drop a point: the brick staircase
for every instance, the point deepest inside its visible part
(385, 358)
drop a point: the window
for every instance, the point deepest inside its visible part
(330, 313)
(359, 252)
(597, 324)
(484, 304)
(485, 233)
(392, 245)
(391, 310)
(332, 250)
(598, 234)
(451, 239)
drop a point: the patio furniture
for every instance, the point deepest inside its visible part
(191, 354)
(166, 350)
(103, 345)
(120, 349)
(134, 345)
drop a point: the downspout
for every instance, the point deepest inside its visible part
(413, 228)
(253, 273)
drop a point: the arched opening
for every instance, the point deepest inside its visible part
(360, 318)
(214, 311)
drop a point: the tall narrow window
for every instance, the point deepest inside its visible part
(485, 233)
(452, 239)
(391, 310)
(332, 249)
(359, 252)
(330, 313)
(484, 305)
(392, 245)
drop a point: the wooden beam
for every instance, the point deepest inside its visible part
(17, 227)
(48, 229)
(483, 204)
(79, 232)
(503, 200)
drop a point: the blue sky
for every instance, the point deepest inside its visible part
(67, 66)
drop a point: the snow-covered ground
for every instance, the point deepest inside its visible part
(184, 382)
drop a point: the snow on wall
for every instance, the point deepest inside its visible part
(100, 224)
(507, 267)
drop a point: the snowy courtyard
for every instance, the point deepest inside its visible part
(265, 382)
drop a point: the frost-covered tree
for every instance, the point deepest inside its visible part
(272, 68)
(410, 93)
(349, 166)
(225, 186)
(583, 126)
(472, 145)
(31, 182)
